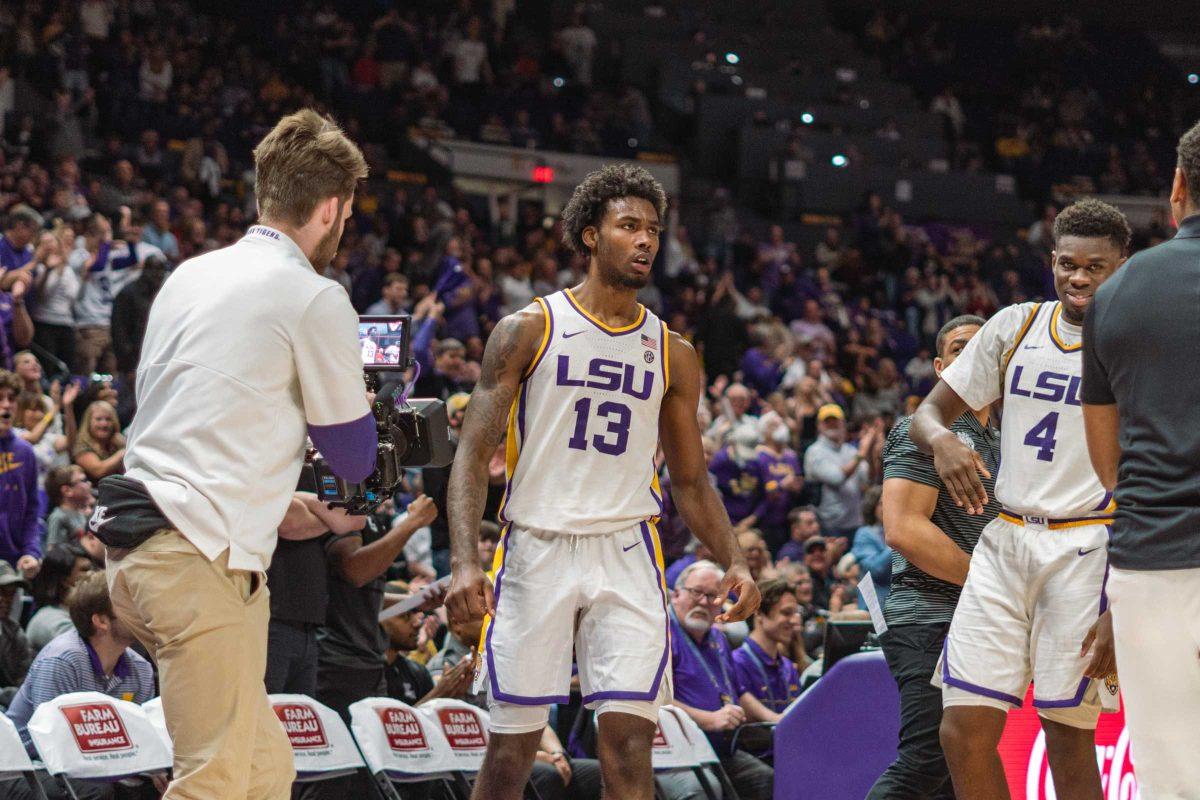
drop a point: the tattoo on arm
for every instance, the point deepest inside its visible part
(509, 351)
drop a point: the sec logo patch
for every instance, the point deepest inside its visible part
(649, 357)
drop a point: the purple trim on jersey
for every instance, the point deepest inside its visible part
(658, 500)
(662, 664)
(521, 401)
(349, 447)
(590, 321)
(1051, 329)
(663, 343)
(549, 339)
(971, 687)
(523, 390)
(516, 699)
(1103, 503)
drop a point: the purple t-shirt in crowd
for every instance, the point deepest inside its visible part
(774, 468)
(760, 371)
(11, 257)
(774, 681)
(18, 499)
(791, 550)
(739, 484)
(703, 673)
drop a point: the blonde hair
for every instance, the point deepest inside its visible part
(304, 160)
(85, 442)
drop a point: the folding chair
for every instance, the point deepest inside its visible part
(400, 745)
(322, 747)
(705, 755)
(14, 761)
(90, 736)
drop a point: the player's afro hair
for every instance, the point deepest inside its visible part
(587, 205)
(1093, 218)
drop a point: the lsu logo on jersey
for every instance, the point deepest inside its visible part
(1051, 386)
(607, 375)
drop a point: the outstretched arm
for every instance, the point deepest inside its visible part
(697, 501)
(958, 465)
(510, 350)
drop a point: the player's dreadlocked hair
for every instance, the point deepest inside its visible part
(588, 203)
(1093, 218)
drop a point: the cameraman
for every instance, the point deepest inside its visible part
(244, 347)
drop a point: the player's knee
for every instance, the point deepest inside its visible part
(962, 736)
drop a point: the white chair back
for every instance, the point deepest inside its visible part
(321, 744)
(91, 735)
(465, 728)
(13, 757)
(672, 747)
(399, 741)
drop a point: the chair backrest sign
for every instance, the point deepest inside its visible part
(321, 743)
(92, 735)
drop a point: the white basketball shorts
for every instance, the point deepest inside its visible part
(597, 600)
(1034, 589)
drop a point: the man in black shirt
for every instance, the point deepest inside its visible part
(932, 540)
(409, 681)
(299, 598)
(351, 645)
(1139, 393)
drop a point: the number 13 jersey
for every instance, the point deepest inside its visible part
(1029, 355)
(583, 427)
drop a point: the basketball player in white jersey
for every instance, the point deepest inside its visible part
(1033, 605)
(586, 382)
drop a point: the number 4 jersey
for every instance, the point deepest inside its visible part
(1029, 355)
(583, 427)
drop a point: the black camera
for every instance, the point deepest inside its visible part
(412, 433)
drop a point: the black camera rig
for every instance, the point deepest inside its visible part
(412, 432)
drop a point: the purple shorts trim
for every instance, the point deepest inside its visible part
(1104, 502)
(1070, 702)
(525, 700)
(971, 687)
(516, 699)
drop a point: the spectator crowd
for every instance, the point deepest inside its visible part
(125, 136)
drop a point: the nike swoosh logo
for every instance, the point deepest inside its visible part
(627, 549)
(569, 335)
(1083, 552)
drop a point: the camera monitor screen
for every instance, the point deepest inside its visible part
(384, 342)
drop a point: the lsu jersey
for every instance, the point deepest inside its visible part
(583, 428)
(1029, 355)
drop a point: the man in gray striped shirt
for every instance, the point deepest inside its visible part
(932, 539)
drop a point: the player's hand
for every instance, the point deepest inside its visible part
(738, 580)
(470, 597)
(960, 467)
(1099, 641)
